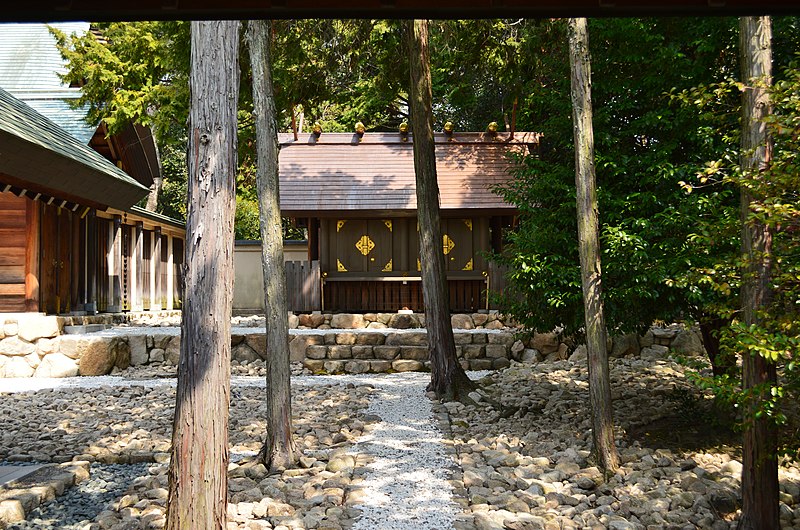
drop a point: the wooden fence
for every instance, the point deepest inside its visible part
(303, 286)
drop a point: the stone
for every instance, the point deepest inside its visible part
(311, 321)
(403, 321)
(348, 321)
(496, 351)
(300, 343)
(580, 354)
(480, 364)
(380, 367)
(386, 352)
(10, 328)
(334, 367)
(406, 366)
(340, 352)
(407, 339)
(45, 346)
(172, 353)
(243, 353)
(500, 363)
(462, 321)
(530, 355)
(646, 340)
(316, 352)
(156, 355)
(257, 343)
(516, 349)
(340, 463)
(462, 338)
(656, 352)
(687, 342)
(56, 365)
(473, 351)
(17, 367)
(14, 346)
(34, 327)
(11, 511)
(293, 321)
(480, 318)
(138, 346)
(506, 339)
(416, 353)
(546, 343)
(623, 345)
(99, 355)
(314, 366)
(346, 338)
(362, 352)
(370, 339)
(357, 367)
(494, 324)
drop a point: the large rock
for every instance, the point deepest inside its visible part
(370, 339)
(687, 342)
(656, 352)
(407, 339)
(56, 365)
(348, 321)
(258, 343)
(299, 344)
(99, 355)
(33, 327)
(311, 321)
(17, 367)
(244, 353)
(545, 342)
(13, 347)
(293, 321)
(406, 366)
(138, 346)
(386, 352)
(417, 353)
(172, 353)
(462, 322)
(624, 345)
(580, 354)
(403, 321)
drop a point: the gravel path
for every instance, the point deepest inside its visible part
(406, 481)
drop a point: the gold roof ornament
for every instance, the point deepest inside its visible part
(404, 130)
(317, 129)
(492, 128)
(360, 129)
(448, 128)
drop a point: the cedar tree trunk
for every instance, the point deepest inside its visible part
(279, 449)
(198, 486)
(760, 465)
(448, 379)
(589, 247)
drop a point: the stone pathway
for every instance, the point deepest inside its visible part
(405, 485)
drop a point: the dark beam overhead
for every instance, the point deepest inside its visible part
(97, 10)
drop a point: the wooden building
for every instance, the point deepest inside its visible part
(356, 195)
(71, 237)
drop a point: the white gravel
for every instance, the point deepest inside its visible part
(406, 483)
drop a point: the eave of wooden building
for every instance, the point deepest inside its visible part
(339, 173)
(38, 156)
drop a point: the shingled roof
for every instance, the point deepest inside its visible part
(342, 173)
(38, 155)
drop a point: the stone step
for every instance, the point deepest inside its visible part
(84, 329)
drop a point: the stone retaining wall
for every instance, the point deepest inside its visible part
(35, 346)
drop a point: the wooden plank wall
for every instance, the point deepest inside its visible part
(13, 211)
(302, 285)
(383, 296)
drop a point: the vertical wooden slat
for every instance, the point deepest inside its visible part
(115, 266)
(157, 301)
(170, 274)
(32, 242)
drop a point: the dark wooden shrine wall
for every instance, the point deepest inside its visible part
(13, 211)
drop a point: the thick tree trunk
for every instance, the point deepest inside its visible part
(589, 247)
(279, 450)
(152, 197)
(760, 465)
(198, 486)
(448, 379)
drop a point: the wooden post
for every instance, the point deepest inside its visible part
(32, 243)
(589, 247)
(115, 266)
(170, 275)
(157, 302)
(91, 263)
(137, 260)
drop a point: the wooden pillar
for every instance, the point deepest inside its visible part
(313, 239)
(170, 275)
(32, 242)
(137, 268)
(324, 244)
(115, 266)
(401, 232)
(91, 263)
(158, 292)
(480, 241)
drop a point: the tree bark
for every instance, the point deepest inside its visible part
(589, 247)
(448, 379)
(198, 491)
(152, 196)
(760, 465)
(279, 451)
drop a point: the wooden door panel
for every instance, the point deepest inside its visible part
(351, 245)
(379, 259)
(64, 276)
(457, 244)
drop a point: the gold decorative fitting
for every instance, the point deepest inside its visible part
(419, 265)
(317, 129)
(449, 244)
(360, 129)
(387, 267)
(404, 128)
(388, 224)
(468, 222)
(340, 224)
(492, 128)
(448, 128)
(340, 266)
(468, 266)
(365, 245)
